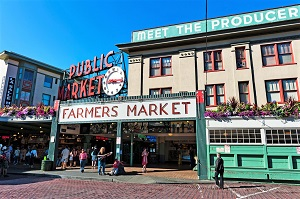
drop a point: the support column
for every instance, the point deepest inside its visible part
(202, 164)
(131, 149)
(87, 142)
(54, 141)
(118, 140)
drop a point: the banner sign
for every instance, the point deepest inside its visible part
(222, 23)
(9, 91)
(160, 109)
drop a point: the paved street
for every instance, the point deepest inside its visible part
(29, 186)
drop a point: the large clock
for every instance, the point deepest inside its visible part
(113, 81)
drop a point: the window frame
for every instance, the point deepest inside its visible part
(213, 61)
(51, 83)
(248, 93)
(215, 95)
(281, 89)
(241, 59)
(44, 94)
(159, 90)
(160, 67)
(276, 54)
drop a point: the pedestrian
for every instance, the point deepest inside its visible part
(71, 158)
(82, 159)
(94, 157)
(3, 165)
(23, 154)
(33, 156)
(192, 157)
(219, 169)
(145, 154)
(102, 160)
(17, 156)
(65, 157)
(27, 156)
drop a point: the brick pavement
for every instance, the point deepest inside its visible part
(44, 187)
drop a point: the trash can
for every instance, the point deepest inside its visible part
(46, 165)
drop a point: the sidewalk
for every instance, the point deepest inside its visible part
(133, 174)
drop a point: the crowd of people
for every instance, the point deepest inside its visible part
(68, 158)
(26, 155)
(29, 155)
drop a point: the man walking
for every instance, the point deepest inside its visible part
(219, 169)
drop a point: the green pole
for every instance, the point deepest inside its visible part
(54, 141)
(118, 140)
(202, 164)
(131, 149)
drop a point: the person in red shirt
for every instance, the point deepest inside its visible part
(114, 170)
(82, 158)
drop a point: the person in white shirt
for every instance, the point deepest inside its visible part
(65, 156)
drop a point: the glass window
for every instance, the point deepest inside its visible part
(283, 136)
(215, 94)
(240, 55)
(48, 82)
(240, 136)
(46, 99)
(25, 96)
(159, 91)
(213, 61)
(28, 75)
(244, 92)
(160, 66)
(281, 90)
(276, 54)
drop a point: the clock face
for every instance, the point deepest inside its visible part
(113, 81)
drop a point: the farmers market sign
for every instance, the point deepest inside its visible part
(222, 23)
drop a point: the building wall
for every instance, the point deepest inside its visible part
(40, 89)
(183, 67)
(11, 63)
(9, 70)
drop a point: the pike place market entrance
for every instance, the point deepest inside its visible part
(165, 125)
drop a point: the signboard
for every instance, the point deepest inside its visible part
(221, 23)
(9, 91)
(298, 150)
(159, 109)
(109, 83)
(227, 148)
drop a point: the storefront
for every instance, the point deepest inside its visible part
(165, 125)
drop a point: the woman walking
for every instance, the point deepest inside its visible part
(145, 154)
(82, 158)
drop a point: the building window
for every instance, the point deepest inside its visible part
(213, 61)
(17, 93)
(28, 75)
(281, 90)
(159, 91)
(215, 94)
(48, 81)
(20, 73)
(277, 54)
(25, 96)
(244, 92)
(240, 55)
(238, 136)
(160, 66)
(46, 99)
(283, 136)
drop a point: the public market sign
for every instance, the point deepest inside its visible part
(222, 23)
(135, 110)
(111, 82)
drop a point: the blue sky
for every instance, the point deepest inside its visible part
(65, 32)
